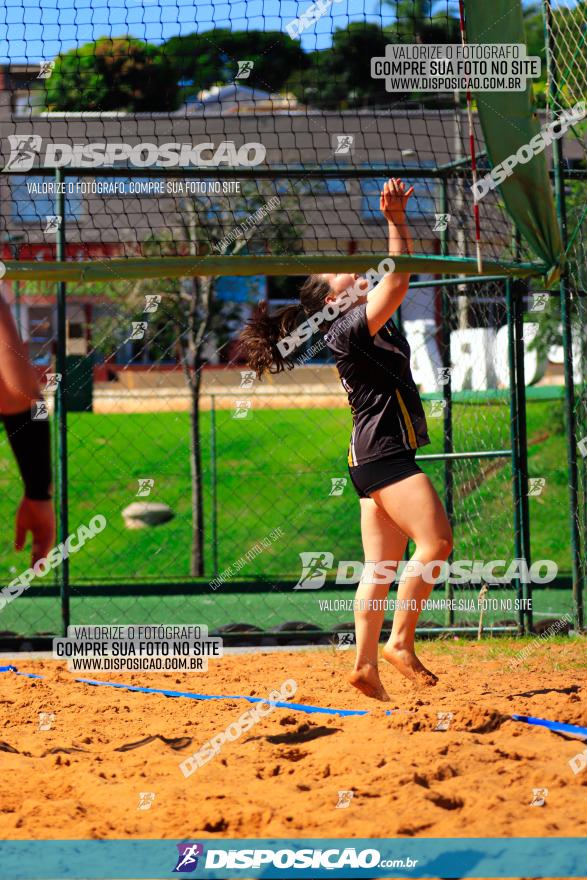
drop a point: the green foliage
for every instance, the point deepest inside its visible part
(569, 48)
(113, 74)
(340, 76)
(205, 59)
(418, 21)
(536, 46)
(535, 42)
(576, 196)
(556, 422)
(549, 321)
(100, 289)
(125, 73)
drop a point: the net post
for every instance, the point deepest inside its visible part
(472, 148)
(571, 438)
(445, 314)
(567, 330)
(516, 493)
(15, 248)
(61, 404)
(214, 479)
(518, 289)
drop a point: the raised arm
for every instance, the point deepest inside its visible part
(388, 294)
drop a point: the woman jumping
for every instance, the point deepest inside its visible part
(398, 502)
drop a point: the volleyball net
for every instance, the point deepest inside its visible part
(176, 147)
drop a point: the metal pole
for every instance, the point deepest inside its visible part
(15, 249)
(455, 282)
(518, 291)
(458, 168)
(447, 441)
(462, 304)
(567, 335)
(514, 444)
(61, 405)
(213, 471)
(462, 456)
(567, 339)
(457, 163)
(460, 281)
(17, 307)
(582, 481)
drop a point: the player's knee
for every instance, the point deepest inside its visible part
(435, 547)
(443, 546)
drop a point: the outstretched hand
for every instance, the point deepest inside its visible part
(394, 198)
(38, 518)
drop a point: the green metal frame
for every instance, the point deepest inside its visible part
(131, 268)
(211, 264)
(567, 337)
(511, 274)
(448, 448)
(61, 413)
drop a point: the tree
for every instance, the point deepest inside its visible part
(340, 76)
(416, 21)
(549, 321)
(205, 59)
(113, 74)
(568, 43)
(190, 305)
(535, 46)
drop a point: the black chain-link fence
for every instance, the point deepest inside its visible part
(277, 501)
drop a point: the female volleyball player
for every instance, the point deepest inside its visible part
(397, 500)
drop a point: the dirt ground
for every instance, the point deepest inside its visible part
(282, 778)
(126, 402)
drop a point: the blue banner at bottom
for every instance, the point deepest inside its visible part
(296, 858)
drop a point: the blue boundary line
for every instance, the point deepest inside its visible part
(300, 707)
(555, 726)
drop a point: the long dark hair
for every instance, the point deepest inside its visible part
(263, 331)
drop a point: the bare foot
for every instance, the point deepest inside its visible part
(407, 663)
(366, 679)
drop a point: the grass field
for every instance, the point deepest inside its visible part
(274, 471)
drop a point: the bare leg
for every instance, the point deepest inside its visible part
(416, 508)
(382, 540)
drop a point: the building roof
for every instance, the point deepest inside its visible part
(236, 98)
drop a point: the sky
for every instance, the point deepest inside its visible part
(37, 30)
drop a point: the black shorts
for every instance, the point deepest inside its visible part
(367, 478)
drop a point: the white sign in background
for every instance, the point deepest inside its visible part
(479, 357)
